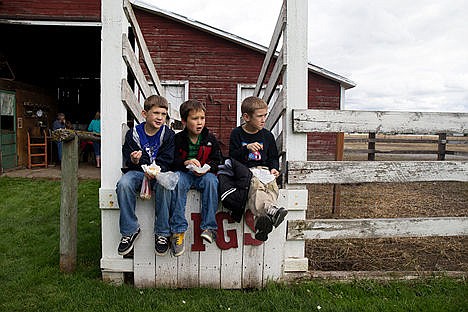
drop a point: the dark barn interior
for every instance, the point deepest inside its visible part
(64, 60)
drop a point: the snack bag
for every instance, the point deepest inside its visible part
(145, 192)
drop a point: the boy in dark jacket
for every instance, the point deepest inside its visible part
(151, 141)
(195, 147)
(255, 147)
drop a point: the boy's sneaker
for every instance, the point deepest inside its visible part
(161, 245)
(276, 214)
(126, 243)
(263, 226)
(177, 244)
(209, 235)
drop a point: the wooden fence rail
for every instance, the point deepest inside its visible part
(443, 145)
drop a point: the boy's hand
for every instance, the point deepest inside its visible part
(254, 147)
(194, 162)
(275, 172)
(135, 156)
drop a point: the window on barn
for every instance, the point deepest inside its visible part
(176, 91)
(246, 90)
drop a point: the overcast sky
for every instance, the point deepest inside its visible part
(402, 55)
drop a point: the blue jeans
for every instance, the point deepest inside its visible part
(207, 184)
(59, 150)
(128, 189)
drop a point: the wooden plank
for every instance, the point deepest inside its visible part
(395, 140)
(374, 151)
(295, 78)
(276, 111)
(372, 275)
(130, 101)
(275, 76)
(166, 271)
(280, 25)
(143, 47)
(69, 206)
(210, 266)
(376, 228)
(133, 64)
(231, 259)
(390, 122)
(188, 262)
(144, 254)
(252, 264)
(303, 172)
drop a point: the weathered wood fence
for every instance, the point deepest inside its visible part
(343, 172)
(444, 145)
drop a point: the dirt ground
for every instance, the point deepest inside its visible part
(390, 200)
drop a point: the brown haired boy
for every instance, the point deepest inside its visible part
(150, 141)
(195, 147)
(255, 147)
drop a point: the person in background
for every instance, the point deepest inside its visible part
(59, 123)
(95, 127)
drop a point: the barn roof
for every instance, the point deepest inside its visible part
(345, 82)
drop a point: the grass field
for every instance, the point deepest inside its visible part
(30, 279)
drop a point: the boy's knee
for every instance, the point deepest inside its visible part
(211, 180)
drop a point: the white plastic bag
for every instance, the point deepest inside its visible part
(145, 192)
(168, 179)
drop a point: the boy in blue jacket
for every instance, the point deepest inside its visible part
(151, 141)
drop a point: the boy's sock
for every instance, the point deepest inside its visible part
(276, 214)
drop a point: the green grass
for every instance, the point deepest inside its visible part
(30, 279)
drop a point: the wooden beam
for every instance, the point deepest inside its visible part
(308, 120)
(276, 111)
(69, 206)
(376, 228)
(133, 64)
(143, 47)
(304, 172)
(280, 25)
(276, 73)
(130, 101)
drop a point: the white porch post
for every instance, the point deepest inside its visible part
(113, 117)
(295, 91)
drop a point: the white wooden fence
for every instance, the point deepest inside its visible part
(300, 172)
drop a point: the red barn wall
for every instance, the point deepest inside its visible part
(214, 66)
(82, 10)
(322, 94)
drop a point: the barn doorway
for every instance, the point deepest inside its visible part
(56, 68)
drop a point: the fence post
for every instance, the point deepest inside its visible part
(337, 187)
(69, 205)
(441, 146)
(371, 146)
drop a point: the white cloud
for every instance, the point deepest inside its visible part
(403, 55)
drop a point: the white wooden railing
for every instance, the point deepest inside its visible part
(342, 172)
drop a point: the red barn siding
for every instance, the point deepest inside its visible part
(71, 10)
(214, 66)
(322, 94)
